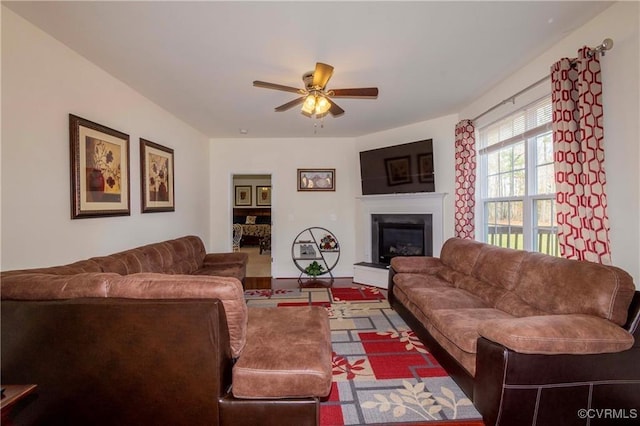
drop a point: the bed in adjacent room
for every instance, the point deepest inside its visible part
(256, 224)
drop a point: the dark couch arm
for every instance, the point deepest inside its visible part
(116, 361)
(524, 389)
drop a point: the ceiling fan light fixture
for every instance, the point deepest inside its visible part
(309, 105)
(322, 105)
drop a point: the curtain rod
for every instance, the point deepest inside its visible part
(512, 98)
(607, 44)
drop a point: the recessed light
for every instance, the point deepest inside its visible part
(243, 131)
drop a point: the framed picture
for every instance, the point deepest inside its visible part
(398, 170)
(156, 177)
(99, 170)
(316, 179)
(243, 195)
(425, 168)
(263, 195)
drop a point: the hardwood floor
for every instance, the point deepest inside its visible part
(254, 283)
(257, 283)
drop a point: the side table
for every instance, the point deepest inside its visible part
(315, 245)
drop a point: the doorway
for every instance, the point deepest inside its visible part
(252, 217)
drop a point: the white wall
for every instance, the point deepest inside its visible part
(291, 211)
(42, 82)
(621, 98)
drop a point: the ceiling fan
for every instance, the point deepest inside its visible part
(315, 98)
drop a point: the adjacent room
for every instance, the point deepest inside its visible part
(320, 213)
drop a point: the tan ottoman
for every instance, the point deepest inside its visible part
(287, 355)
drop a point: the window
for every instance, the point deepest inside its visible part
(516, 176)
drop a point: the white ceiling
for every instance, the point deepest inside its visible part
(198, 59)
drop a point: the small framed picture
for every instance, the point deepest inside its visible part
(99, 170)
(316, 179)
(263, 195)
(398, 170)
(156, 168)
(243, 195)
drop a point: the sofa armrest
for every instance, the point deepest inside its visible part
(162, 286)
(220, 259)
(512, 388)
(557, 334)
(416, 264)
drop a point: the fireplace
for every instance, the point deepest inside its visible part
(400, 235)
(407, 212)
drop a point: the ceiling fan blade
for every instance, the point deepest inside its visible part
(363, 92)
(290, 104)
(335, 110)
(274, 86)
(322, 74)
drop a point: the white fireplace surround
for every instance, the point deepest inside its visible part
(431, 203)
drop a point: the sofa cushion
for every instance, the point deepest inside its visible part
(460, 255)
(562, 286)
(489, 293)
(179, 256)
(449, 275)
(512, 304)
(288, 354)
(465, 359)
(461, 326)
(499, 266)
(39, 286)
(234, 271)
(416, 264)
(558, 334)
(407, 281)
(126, 262)
(70, 269)
(188, 253)
(429, 300)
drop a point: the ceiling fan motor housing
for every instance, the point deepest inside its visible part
(307, 78)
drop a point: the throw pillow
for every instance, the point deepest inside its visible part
(251, 220)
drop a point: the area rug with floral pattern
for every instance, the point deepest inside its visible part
(382, 373)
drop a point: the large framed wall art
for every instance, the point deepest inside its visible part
(157, 177)
(99, 170)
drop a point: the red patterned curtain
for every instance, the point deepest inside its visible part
(465, 201)
(583, 224)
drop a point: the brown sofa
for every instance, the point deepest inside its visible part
(530, 338)
(185, 255)
(153, 335)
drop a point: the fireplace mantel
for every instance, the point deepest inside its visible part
(413, 203)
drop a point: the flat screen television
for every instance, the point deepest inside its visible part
(398, 169)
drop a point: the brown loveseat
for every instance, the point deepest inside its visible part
(530, 338)
(154, 335)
